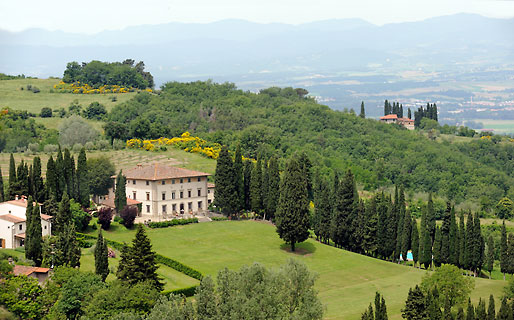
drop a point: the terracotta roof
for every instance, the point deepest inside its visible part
(20, 235)
(20, 202)
(159, 171)
(46, 217)
(211, 185)
(389, 116)
(28, 270)
(110, 202)
(12, 218)
(405, 120)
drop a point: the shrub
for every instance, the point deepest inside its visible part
(77, 147)
(171, 223)
(102, 145)
(90, 146)
(219, 218)
(118, 144)
(105, 217)
(76, 130)
(187, 292)
(50, 148)
(128, 214)
(95, 111)
(46, 112)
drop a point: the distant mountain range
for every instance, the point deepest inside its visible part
(258, 55)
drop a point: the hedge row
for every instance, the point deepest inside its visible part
(171, 223)
(174, 264)
(188, 292)
(219, 218)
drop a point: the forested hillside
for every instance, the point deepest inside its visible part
(282, 121)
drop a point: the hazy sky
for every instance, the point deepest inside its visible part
(92, 16)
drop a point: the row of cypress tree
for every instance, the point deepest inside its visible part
(429, 112)
(62, 176)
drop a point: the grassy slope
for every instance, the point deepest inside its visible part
(124, 159)
(347, 281)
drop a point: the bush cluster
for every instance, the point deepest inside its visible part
(171, 223)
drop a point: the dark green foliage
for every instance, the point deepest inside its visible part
(34, 236)
(462, 241)
(67, 249)
(95, 111)
(238, 179)
(470, 241)
(105, 217)
(116, 130)
(128, 214)
(225, 194)
(460, 314)
(437, 248)
(415, 241)
(481, 312)
(430, 219)
(478, 246)
(425, 243)
(100, 170)
(429, 112)
(138, 262)
(256, 187)
(101, 257)
(2, 193)
(454, 243)
(406, 234)
(12, 187)
(510, 253)
(97, 73)
(415, 307)
(445, 235)
(273, 186)
(470, 312)
(432, 303)
(489, 259)
(46, 112)
(69, 174)
(504, 258)
(82, 179)
(63, 217)
(21, 296)
(248, 166)
(292, 217)
(60, 174)
(368, 314)
(120, 196)
(362, 114)
(171, 223)
(491, 310)
(322, 211)
(206, 304)
(344, 212)
(505, 312)
(264, 187)
(380, 307)
(51, 179)
(38, 188)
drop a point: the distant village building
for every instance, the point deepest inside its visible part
(13, 223)
(165, 191)
(40, 274)
(393, 118)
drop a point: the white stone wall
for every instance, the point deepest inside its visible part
(186, 193)
(8, 230)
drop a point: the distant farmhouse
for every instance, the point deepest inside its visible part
(13, 223)
(163, 191)
(393, 118)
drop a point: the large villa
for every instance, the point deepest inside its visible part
(162, 191)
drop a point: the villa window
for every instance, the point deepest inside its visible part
(181, 180)
(189, 193)
(134, 195)
(188, 179)
(199, 192)
(147, 208)
(148, 196)
(181, 194)
(173, 195)
(147, 183)
(200, 205)
(21, 226)
(199, 179)
(133, 181)
(174, 207)
(190, 206)
(163, 196)
(163, 182)
(164, 208)
(172, 181)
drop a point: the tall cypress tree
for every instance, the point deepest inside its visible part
(12, 187)
(478, 245)
(28, 226)
(510, 253)
(425, 242)
(120, 194)
(34, 236)
(380, 307)
(273, 188)
(491, 310)
(504, 313)
(481, 312)
(409, 114)
(2, 194)
(83, 180)
(59, 173)
(101, 257)
(256, 187)
(462, 241)
(406, 235)
(264, 187)
(437, 247)
(37, 181)
(489, 261)
(68, 173)
(504, 266)
(431, 218)
(63, 217)
(322, 210)
(51, 179)
(139, 263)
(445, 235)
(453, 240)
(470, 313)
(363, 112)
(343, 211)
(248, 166)
(415, 306)
(468, 253)
(67, 249)
(292, 217)
(225, 194)
(22, 179)
(369, 240)
(239, 179)
(415, 242)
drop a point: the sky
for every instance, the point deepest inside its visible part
(94, 16)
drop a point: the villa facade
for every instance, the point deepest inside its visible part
(393, 118)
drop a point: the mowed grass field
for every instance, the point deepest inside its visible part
(498, 126)
(127, 158)
(347, 281)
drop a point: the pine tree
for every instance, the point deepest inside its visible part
(67, 250)
(431, 218)
(505, 313)
(59, 172)
(101, 257)
(504, 266)
(468, 253)
(415, 307)
(12, 186)
(239, 179)
(120, 194)
(83, 181)
(37, 237)
(273, 188)
(437, 247)
(63, 217)
(363, 112)
(68, 173)
(415, 242)
(322, 211)
(489, 261)
(28, 226)
(470, 312)
(51, 179)
(491, 310)
(37, 181)
(2, 194)
(401, 111)
(462, 241)
(248, 166)
(264, 187)
(141, 264)
(432, 303)
(445, 235)
(478, 245)
(369, 240)
(292, 217)
(344, 211)
(380, 307)
(425, 242)
(368, 314)
(256, 187)
(434, 113)
(453, 240)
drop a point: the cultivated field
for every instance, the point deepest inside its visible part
(347, 281)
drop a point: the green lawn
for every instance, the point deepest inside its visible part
(11, 96)
(347, 281)
(172, 278)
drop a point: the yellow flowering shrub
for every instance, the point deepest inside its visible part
(84, 88)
